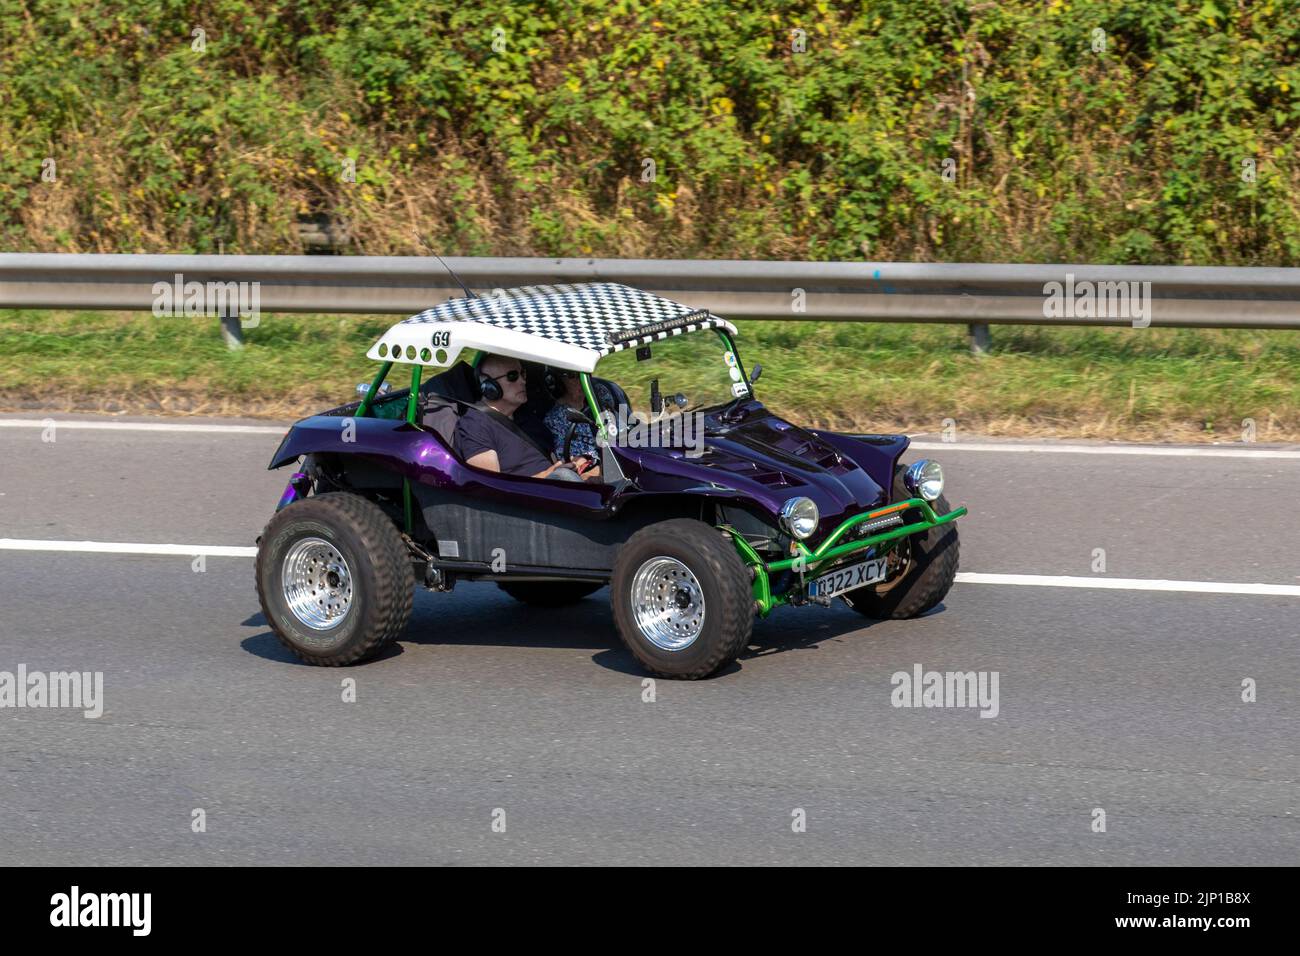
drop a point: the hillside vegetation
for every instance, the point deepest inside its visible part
(1132, 131)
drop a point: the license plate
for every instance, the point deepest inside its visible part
(846, 579)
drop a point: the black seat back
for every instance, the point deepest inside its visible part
(444, 398)
(620, 396)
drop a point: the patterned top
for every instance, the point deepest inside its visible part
(602, 316)
(584, 438)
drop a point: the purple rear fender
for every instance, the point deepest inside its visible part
(407, 449)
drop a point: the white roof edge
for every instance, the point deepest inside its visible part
(446, 341)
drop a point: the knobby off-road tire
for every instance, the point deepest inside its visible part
(549, 593)
(929, 574)
(690, 570)
(349, 574)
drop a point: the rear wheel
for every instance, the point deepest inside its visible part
(682, 599)
(334, 579)
(929, 565)
(549, 593)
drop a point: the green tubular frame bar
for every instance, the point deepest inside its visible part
(596, 416)
(408, 508)
(829, 551)
(364, 408)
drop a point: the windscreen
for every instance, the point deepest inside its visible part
(696, 371)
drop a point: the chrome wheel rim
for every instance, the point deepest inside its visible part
(668, 603)
(898, 562)
(317, 584)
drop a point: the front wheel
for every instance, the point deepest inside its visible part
(929, 566)
(334, 579)
(682, 599)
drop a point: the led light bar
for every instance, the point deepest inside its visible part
(880, 524)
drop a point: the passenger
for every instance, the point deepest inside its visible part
(584, 437)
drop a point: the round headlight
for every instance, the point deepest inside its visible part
(924, 478)
(799, 517)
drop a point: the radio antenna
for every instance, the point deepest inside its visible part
(469, 293)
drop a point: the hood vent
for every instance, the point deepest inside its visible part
(748, 469)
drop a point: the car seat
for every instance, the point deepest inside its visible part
(620, 396)
(444, 398)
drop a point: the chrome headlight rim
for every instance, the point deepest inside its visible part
(800, 517)
(924, 479)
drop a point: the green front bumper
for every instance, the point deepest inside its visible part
(810, 562)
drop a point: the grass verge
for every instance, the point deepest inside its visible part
(1136, 384)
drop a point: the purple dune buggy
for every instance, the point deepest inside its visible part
(693, 538)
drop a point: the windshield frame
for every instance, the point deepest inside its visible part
(727, 339)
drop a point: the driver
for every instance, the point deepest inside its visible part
(488, 438)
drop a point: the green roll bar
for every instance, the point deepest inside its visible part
(408, 505)
(596, 416)
(408, 508)
(364, 408)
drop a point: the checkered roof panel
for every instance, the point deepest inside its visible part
(602, 316)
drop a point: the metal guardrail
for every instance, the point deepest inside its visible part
(974, 294)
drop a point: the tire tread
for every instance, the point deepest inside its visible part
(736, 613)
(912, 598)
(394, 591)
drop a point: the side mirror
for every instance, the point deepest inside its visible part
(576, 416)
(755, 372)
(680, 400)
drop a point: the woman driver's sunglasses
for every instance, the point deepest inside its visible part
(513, 375)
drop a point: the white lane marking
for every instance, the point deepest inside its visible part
(963, 577)
(1127, 584)
(145, 426)
(119, 547)
(1210, 452)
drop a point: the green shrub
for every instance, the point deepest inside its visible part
(537, 144)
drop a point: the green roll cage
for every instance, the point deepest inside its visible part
(804, 561)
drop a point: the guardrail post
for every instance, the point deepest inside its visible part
(981, 340)
(231, 329)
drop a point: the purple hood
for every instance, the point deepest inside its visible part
(767, 459)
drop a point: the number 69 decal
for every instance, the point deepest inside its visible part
(441, 339)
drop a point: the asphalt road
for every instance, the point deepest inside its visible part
(1128, 701)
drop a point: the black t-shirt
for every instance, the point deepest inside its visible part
(477, 431)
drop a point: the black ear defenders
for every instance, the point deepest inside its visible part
(488, 387)
(554, 382)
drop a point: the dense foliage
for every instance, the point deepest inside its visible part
(1116, 131)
